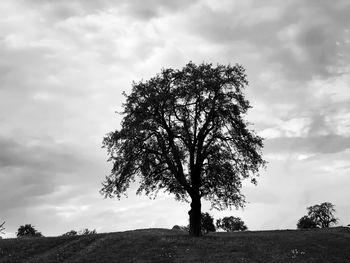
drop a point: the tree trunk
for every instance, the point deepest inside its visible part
(195, 216)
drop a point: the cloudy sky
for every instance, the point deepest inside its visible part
(64, 66)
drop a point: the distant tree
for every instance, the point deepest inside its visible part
(28, 231)
(231, 223)
(86, 231)
(71, 233)
(184, 131)
(207, 223)
(306, 222)
(322, 214)
(2, 228)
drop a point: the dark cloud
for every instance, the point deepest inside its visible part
(43, 153)
(60, 10)
(24, 62)
(30, 169)
(301, 40)
(321, 144)
(142, 10)
(149, 9)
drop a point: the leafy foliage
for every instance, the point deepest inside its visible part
(322, 214)
(230, 224)
(28, 231)
(2, 228)
(207, 223)
(184, 132)
(306, 222)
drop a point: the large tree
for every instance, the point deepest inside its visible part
(184, 131)
(322, 214)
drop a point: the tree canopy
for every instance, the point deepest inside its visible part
(306, 222)
(322, 214)
(184, 132)
(207, 223)
(28, 231)
(231, 223)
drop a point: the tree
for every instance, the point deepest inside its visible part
(322, 214)
(28, 231)
(207, 223)
(230, 224)
(184, 131)
(306, 222)
(2, 228)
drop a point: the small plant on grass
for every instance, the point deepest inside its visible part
(231, 223)
(28, 231)
(295, 253)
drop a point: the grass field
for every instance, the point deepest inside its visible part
(162, 245)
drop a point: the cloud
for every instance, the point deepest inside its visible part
(292, 42)
(149, 9)
(315, 145)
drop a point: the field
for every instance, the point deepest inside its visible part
(162, 245)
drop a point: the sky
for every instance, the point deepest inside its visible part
(65, 64)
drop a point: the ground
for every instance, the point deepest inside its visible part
(162, 245)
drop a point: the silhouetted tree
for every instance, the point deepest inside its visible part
(184, 131)
(322, 214)
(28, 231)
(207, 223)
(2, 228)
(231, 223)
(306, 222)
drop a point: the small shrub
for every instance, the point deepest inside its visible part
(230, 224)
(71, 233)
(306, 222)
(86, 231)
(207, 223)
(180, 228)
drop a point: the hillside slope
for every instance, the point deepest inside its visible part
(161, 245)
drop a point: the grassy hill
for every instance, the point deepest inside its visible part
(162, 245)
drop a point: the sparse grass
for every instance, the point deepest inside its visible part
(162, 245)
